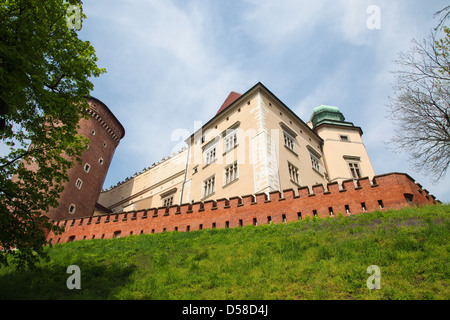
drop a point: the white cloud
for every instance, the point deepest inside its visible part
(171, 63)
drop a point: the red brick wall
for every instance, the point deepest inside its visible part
(389, 188)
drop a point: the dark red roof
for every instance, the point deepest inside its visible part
(232, 97)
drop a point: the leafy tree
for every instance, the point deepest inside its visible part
(45, 72)
(421, 106)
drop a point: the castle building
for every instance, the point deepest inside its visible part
(254, 144)
(79, 198)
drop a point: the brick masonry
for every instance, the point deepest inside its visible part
(388, 191)
(104, 132)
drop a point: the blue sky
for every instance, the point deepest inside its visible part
(172, 63)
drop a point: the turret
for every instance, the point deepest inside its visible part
(344, 152)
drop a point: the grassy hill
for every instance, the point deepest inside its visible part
(308, 259)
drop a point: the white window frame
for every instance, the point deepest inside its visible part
(230, 141)
(355, 169)
(315, 162)
(354, 166)
(210, 154)
(289, 141)
(293, 173)
(209, 186)
(230, 173)
(168, 201)
(74, 208)
(101, 161)
(88, 169)
(79, 183)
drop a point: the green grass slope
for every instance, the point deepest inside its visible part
(308, 259)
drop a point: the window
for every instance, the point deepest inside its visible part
(288, 141)
(355, 170)
(210, 156)
(168, 201)
(100, 161)
(93, 132)
(72, 209)
(293, 173)
(117, 234)
(104, 144)
(231, 173)
(209, 186)
(230, 140)
(87, 167)
(195, 170)
(343, 138)
(79, 183)
(315, 162)
(347, 209)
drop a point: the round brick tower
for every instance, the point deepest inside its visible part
(85, 182)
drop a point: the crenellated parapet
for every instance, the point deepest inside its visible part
(100, 112)
(388, 191)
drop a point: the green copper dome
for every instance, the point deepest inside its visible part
(327, 114)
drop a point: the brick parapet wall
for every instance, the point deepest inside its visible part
(388, 191)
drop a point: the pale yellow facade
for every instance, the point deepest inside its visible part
(344, 146)
(255, 145)
(156, 186)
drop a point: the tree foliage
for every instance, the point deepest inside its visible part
(45, 72)
(422, 100)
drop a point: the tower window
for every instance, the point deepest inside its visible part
(93, 132)
(343, 138)
(355, 170)
(72, 209)
(87, 167)
(79, 183)
(100, 161)
(104, 144)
